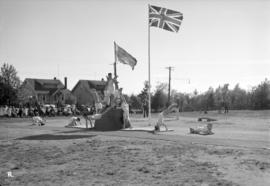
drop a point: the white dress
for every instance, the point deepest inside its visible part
(37, 120)
(73, 122)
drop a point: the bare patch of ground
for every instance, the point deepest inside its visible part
(102, 160)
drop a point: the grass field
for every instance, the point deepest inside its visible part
(236, 154)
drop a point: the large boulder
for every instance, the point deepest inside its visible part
(110, 120)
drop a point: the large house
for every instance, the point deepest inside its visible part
(86, 91)
(45, 91)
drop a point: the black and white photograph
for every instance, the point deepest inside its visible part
(134, 92)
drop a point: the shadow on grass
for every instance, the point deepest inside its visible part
(55, 137)
(77, 130)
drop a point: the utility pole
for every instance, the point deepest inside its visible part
(169, 91)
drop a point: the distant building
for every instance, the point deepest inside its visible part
(85, 91)
(45, 91)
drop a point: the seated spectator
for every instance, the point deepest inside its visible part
(31, 112)
(1, 111)
(6, 110)
(14, 112)
(20, 112)
(25, 111)
(36, 111)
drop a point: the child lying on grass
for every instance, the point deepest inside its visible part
(37, 120)
(202, 130)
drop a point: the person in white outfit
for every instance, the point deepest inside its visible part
(37, 120)
(74, 121)
(109, 89)
(160, 122)
(202, 130)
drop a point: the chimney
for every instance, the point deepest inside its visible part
(54, 78)
(65, 82)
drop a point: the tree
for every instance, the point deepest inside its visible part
(222, 97)
(218, 98)
(210, 101)
(9, 84)
(25, 94)
(225, 93)
(238, 98)
(7, 94)
(179, 99)
(9, 76)
(174, 94)
(144, 93)
(261, 95)
(135, 102)
(160, 97)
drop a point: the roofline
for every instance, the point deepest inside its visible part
(37, 79)
(75, 86)
(84, 80)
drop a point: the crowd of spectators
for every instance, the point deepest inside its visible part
(42, 110)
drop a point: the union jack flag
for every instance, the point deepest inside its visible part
(165, 18)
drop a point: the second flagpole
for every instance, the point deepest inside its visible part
(149, 71)
(115, 73)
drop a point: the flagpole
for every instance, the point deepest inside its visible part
(115, 59)
(149, 72)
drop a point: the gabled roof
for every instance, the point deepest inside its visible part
(65, 91)
(54, 90)
(92, 84)
(50, 85)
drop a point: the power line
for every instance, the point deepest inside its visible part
(183, 79)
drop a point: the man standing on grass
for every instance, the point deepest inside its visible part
(145, 109)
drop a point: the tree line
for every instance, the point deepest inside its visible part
(258, 98)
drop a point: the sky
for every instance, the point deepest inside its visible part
(219, 41)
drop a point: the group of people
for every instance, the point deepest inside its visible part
(113, 98)
(40, 110)
(201, 130)
(11, 111)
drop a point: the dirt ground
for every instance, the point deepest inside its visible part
(236, 154)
